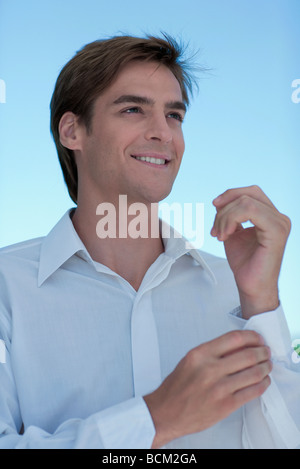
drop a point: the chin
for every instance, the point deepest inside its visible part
(157, 197)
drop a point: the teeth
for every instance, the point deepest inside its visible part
(148, 159)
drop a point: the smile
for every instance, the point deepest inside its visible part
(150, 159)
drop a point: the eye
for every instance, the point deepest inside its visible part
(176, 115)
(132, 110)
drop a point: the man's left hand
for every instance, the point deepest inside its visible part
(254, 253)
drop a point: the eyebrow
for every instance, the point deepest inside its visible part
(131, 98)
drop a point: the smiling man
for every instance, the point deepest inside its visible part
(140, 342)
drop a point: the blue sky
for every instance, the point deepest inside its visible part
(242, 127)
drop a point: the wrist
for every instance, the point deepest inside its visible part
(258, 305)
(160, 420)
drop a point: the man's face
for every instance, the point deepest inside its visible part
(138, 117)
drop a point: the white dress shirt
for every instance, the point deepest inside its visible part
(83, 347)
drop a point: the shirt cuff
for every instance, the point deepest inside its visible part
(278, 424)
(127, 425)
(272, 325)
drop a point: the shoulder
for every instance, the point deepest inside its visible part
(16, 257)
(220, 267)
(212, 260)
(22, 249)
(215, 263)
(225, 288)
(18, 272)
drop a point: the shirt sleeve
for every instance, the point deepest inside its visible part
(273, 420)
(127, 425)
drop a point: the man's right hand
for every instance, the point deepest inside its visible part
(209, 383)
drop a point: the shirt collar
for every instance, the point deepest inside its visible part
(59, 246)
(177, 245)
(63, 242)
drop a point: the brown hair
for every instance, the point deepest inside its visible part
(93, 69)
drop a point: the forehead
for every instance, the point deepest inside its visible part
(146, 78)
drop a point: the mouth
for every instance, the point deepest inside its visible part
(153, 160)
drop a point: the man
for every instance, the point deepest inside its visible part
(139, 342)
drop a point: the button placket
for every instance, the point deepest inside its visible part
(144, 338)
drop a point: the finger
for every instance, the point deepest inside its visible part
(246, 358)
(232, 341)
(231, 194)
(214, 231)
(241, 210)
(241, 397)
(248, 378)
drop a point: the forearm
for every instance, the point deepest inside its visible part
(125, 426)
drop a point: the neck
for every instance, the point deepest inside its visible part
(124, 238)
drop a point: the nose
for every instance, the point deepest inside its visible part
(158, 129)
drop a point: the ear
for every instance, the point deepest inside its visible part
(70, 131)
